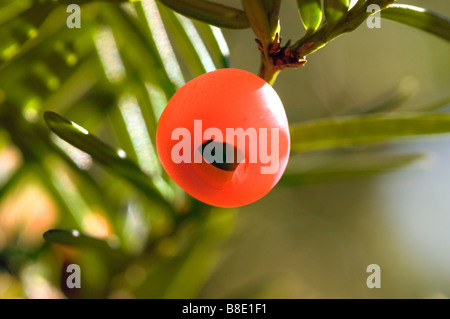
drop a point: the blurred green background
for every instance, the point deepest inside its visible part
(334, 212)
(316, 240)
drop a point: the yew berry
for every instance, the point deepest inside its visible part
(224, 138)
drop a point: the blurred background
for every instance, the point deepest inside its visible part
(334, 212)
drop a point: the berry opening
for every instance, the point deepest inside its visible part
(223, 156)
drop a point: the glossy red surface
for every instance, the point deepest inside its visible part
(225, 98)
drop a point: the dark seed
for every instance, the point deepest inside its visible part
(229, 159)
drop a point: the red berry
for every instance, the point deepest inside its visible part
(200, 138)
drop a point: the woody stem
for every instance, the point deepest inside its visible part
(267, 70)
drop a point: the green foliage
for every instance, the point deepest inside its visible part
(335, 10)
(74, 72)
(311, 13)
(361, 130)
(75, 239)
(335, 167)
(420, 18)
(114, 160)
(113, 77)
(210, 12)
